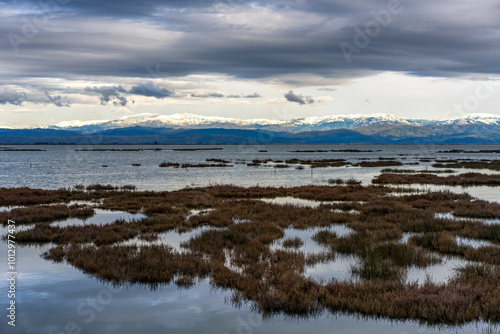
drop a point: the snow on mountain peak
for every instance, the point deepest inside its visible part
(478, 118)
(76, 123)
(481, 116)
(350, 121)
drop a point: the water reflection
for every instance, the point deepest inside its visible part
(451, 216)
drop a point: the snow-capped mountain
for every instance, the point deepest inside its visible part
(166, 121)
(324, 123)
(483, 119)
(204, 130)
(345, 122)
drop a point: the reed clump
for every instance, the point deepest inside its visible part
(325, 237)
(46, 213)
(100, 187)
(380, 163)
(28, 196)
(170, 164)
(99, 235)
(326, 163)
(489, 164)
(205, 165)
(477, 209)
(412, 171)
(352, 181)
(337, 181)
(293, 242)
(222, 161)
(185, 282)
(135, 265)
(466, 179)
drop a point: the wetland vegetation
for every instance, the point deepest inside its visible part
(465, 179)
(235, 247)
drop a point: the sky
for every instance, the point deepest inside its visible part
(63, 60)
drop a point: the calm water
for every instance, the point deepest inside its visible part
(57, 298)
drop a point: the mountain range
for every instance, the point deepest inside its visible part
(196, 129)
(190, 121)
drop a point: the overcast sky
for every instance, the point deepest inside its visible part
(63, 60)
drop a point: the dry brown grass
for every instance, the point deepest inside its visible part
(445, 242)
(46, 213)
(467, 179)
(380, 163)
(492, 165)
(293, 243)
(28, 196)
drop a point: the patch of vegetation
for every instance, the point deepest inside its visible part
(465, 151)
(412, 171)
(170, 164)
(204, 165)
(380, 163)
(197, 149)
(218, 160)
(46, 213)
(9, 149)
(323, 151)
(293, 243)
(239, 256)
(466, 179)
(337, 181)
(101, 187)
(492, 165)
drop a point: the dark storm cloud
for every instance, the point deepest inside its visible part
(300, 99)
(150, 8)
(109, 94)
(252, 96)
(204, 95)
(117, 94)
(10, 96)
(18, 97)
(332, 39)
(128, 8)
(151, 89)
(57, 100)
